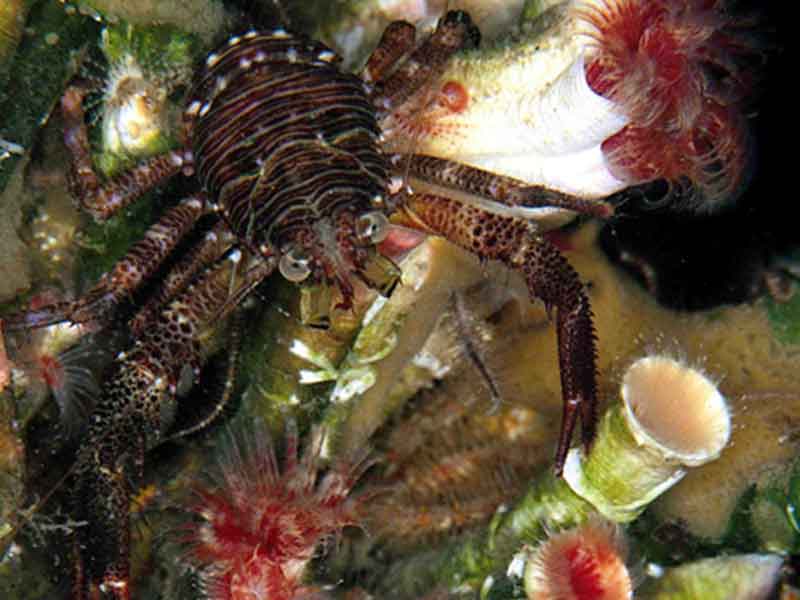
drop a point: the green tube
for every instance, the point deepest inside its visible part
(638, 454)
(739, 577)
(672, 417)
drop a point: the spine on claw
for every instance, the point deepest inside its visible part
(549, 277)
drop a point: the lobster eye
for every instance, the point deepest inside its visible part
(372, 227)
(294, 265)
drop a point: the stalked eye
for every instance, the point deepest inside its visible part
(294, 265)
(372, 227)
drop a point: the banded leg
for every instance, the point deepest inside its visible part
(138, 265)
(397, 40)
(204, 253)
(103, 199)
(213, 395)
(430, 174)
(135, 414)
(426, 63)
(548, 276)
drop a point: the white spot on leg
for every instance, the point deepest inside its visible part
(193, 109)
(193, 203)
(395, 184)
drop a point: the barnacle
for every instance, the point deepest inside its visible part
(55, 361)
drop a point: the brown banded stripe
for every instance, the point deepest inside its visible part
(281, 137)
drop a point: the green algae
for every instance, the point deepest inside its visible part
(45, 59)
(162, 49)
(785, 318)
(103, 244)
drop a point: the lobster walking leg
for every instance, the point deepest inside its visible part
(548, 276)
(135, 413)
(124, 278)
(422, 66)
(102, 199)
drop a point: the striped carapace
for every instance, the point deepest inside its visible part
(287, 145)
(292, 162)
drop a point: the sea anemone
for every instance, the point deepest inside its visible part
(260, 525)
(590, 97)
(673, 69)
(586, 562)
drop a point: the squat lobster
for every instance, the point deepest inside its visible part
(287, 151)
